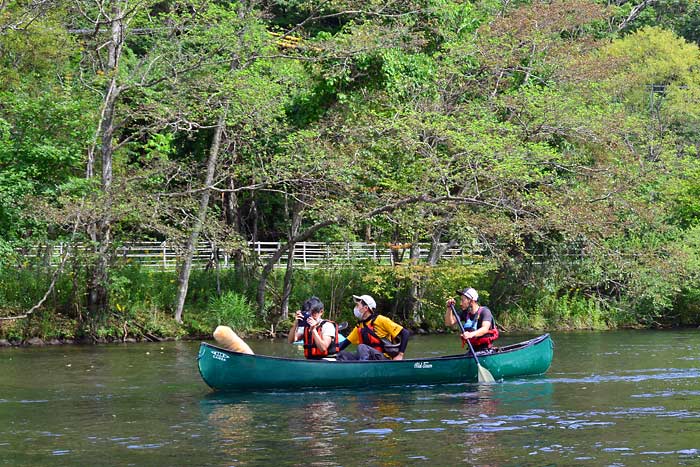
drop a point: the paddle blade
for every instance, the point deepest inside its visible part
(228, 339)
(485, 375)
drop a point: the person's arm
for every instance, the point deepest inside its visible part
(353, 338)
(404, 335)
(320, 339)
(292, 336)
(344, 344)
(485, 326)
(386, 328)
(449, 316)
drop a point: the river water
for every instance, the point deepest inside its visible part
(627, 398)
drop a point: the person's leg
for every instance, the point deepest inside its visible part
(365, 352)
(345, 356)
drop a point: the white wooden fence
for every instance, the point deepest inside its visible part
(307, 255)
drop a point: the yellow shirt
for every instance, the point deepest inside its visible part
(383, 327)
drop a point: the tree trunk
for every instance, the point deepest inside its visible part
(255, 214)
(287, 289)
(233, 218)
(217, 264)
(437, 249)
(184, 276)
(416, 290)
(100, 231)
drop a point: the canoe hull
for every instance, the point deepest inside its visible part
(232, 371)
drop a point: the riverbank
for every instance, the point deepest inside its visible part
(141, 305)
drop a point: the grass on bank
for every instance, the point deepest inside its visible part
(141, 302)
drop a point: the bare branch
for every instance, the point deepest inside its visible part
(634, 13)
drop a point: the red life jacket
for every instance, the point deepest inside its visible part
(369, 337)
(487, 339)
(313, 352)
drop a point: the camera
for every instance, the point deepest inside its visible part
(312, 305)
(304, 316)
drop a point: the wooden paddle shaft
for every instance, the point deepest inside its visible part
(228, 339)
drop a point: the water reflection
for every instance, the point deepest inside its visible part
(322, 426)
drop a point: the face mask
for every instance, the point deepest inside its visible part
(358, 314)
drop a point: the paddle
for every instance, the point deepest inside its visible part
(484, 375)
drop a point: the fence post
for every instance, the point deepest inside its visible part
(165, 256)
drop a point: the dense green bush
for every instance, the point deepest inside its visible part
(141, 302)
(230, 309)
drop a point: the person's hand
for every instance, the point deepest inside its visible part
(467, 335)
(297, 317)
(398, 356)
(450, 302)
(313, 322)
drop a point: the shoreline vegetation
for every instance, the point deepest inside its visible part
(142, 300)
(554, 144)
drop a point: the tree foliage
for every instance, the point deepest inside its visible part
(563, 130)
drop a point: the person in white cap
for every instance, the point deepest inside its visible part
(479, 325)
(376, 336)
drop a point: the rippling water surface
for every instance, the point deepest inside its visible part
(617, 399)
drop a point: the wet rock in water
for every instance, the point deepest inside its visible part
(35, 341)
(68, 341)
(4, 343)
(130, 340)
(55, 342)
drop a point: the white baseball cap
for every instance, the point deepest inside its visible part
(369, 301)
(470, 293)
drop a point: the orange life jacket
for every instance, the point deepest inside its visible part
(369, 337)
(313, 352)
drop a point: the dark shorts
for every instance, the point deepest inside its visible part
(364, 352)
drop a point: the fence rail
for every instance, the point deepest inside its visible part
(162, 255)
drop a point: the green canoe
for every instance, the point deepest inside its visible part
(232, 371)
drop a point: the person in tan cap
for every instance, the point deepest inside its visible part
(376, 336)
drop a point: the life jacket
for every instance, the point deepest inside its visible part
(369, 337)
(484, 341)
(313, 352)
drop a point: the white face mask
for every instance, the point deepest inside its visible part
(358, 314)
